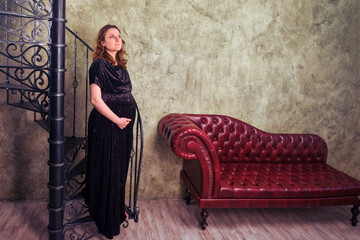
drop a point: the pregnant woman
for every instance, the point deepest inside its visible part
(110, 132)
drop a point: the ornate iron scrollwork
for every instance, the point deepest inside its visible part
(25, 59)
(38, 8)
(73, 184)
(34, 56)
(75, 210)
(80, 232)
(32, 31)
(37, 79)
(39, 100)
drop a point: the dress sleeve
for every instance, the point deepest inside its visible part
(96, 73)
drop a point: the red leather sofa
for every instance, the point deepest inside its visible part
(231, 164)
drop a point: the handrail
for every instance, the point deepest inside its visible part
(15, 14)
(77, 36)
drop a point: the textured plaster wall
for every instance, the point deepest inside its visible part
(282, 66)
(23, 154)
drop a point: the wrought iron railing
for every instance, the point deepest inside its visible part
(77, 40)
(25, 60)
(25, 56)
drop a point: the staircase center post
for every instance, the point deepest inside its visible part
(56, 120)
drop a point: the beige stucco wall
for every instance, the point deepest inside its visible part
(282, 66)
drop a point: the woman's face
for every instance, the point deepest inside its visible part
(112, 41)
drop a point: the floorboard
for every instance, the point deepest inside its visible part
(173, 219)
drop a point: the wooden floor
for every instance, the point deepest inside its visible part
(173, 219)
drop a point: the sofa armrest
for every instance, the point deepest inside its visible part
(189, 142)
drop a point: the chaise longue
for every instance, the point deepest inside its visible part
(231, 164)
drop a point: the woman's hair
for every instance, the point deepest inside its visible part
(100, 51)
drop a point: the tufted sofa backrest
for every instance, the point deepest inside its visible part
(237, 141)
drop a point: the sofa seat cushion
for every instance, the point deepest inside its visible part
(276, 180)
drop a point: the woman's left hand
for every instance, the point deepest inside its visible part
(123, 122)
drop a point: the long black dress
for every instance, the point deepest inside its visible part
(109, 149)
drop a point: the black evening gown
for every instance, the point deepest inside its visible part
(109, 149)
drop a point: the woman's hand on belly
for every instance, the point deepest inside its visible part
(123, 122)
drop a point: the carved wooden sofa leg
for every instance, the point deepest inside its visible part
(355, 213)
(204, 215)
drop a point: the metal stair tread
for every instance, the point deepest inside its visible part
(86, 219)
(72, 142)
(43, 124)
(25, 105)
(79, 168)
(18, 87)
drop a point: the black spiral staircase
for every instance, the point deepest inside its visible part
(32, 72)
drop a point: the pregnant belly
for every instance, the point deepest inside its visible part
(119, 102)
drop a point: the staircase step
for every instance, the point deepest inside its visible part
(25, 105)
(76, 197)
(72, 142)
(18, 87)
(79, 168)
(86, 219)
(43, 124)
(73, 198)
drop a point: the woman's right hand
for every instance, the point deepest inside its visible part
(123, 122)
